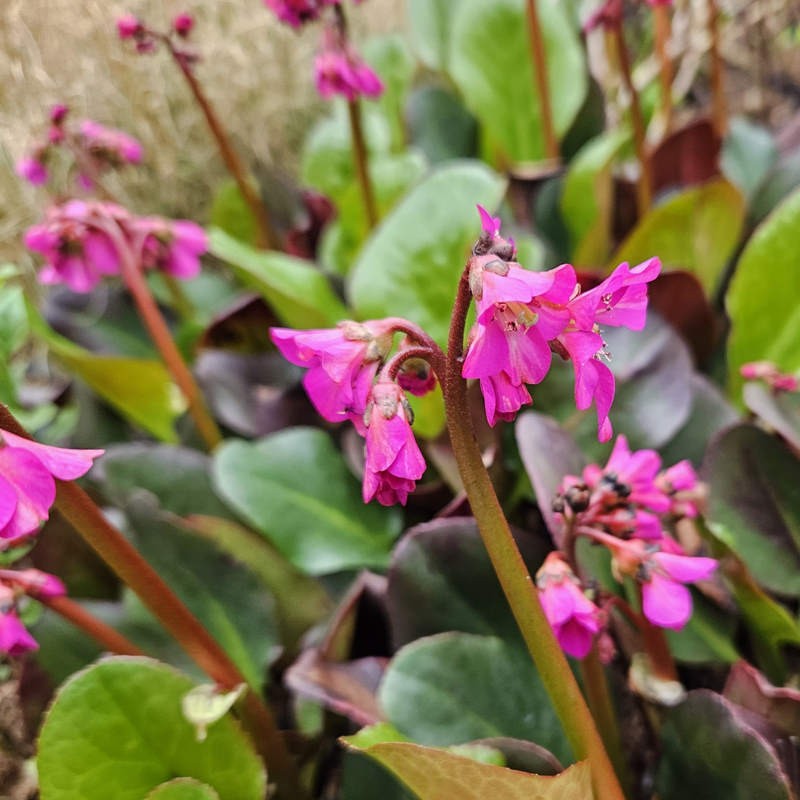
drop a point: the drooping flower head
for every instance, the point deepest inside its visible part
(183, 24)
(339, 70)
(342, 364)
(34, 168)
(393, 461)
(27, 483)
(574, 618)
(108, 147)
(171, 246)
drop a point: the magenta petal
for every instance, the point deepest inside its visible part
(666, 603)
(686, 569)
(8, 502)
(35, 488)
(61, 462)
(502, 399)
(14, 637)
(558, 603)
(488, 353)
(575, 638)
(489, 224)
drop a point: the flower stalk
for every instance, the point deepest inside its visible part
(518, 586)
(663, 25)
(719, 110)
(540, 78)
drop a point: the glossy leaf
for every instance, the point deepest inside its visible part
(763, 302)
(696, 230)
(491, 64)
(295, 489)
(436, 774)
(748, 154)
(779, 410)
(430, 23)
(230, 213)
(753, 504)
(119, 724)
(709, 752)
(440, 125)
(586, 200)
(411, 265)
(498, 693)
(299, 294)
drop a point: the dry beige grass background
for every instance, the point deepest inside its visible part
(257, 72)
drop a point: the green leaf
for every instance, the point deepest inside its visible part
(754, 504)
(709, 752)
(13, 320)
(390, 57)
(440, 125)
(779, 410)
(706, 638)
(183, 789)
(748, 154)
(411, 265)
(492, 66)
(295, 488)
(436, 774)
(456, 687)
(763, 302)
(223, 594)
(696, 230)
(230, 213)
(430, 23)
(586, 199)
(117, 726)
(299, 293)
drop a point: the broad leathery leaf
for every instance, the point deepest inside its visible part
(183, 789)
(754, 504)
(139, 389)
(117, 726)
(587, 197)
(779, 410)
(411, 265)
(430, 23)
(497, 693)
(763, 302)
(439, 124)
(492, 66)
(696, 230)
(435, 774)
(749, 153)
(708, 751)
(295, 489)
(230, 213)
(299, 294)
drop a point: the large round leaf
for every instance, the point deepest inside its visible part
(457, 687)
(764, 299)
(117, 730)
(491, 62)
(411, 265)
(295, 488)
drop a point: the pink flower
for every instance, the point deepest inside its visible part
(632, 476)
(128, 26)
(771, 375)
(342, 363)
(294, 12)
(183, 24)
(27, 485)
(33, 169)
(393, 461)
(666, 602)
(77, 250)
(58, 113)
(14, 637)
(109, 146)
(340, 70)
(574, 618)
(33, 582)
(491, 241)
(172, 246)
(415, 375)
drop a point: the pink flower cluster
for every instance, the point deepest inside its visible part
(28, 473)
(129, 26)
(297, 12)
(81, 243)
(15, 640)
(97, 146)
(769, 373)
(342, 367)
(626, 506)
(341, 71)
(524, 316)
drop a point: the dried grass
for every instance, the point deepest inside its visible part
(257, 73)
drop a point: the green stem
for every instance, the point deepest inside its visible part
(518, 586)
(88, 520)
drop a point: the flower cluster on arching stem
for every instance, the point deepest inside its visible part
(630, 506)
(81, 242)
(523, 317)
(97, 148)
(28, 474)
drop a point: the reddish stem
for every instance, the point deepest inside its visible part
(361, 161)
(108, 638)
(663, 27)
(644, 184)
(540, 77)
(719, 104)
(266, 235)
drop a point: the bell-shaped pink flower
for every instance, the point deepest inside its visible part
(108, 146)
(128, 26)
(632, 475)
(33, 169)
(574, 618)
(33, 582)
(393, 461)
(172, 246)
(342, 363)
(27, 485)
(294, 12)
(339, 70)
(14, 637)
